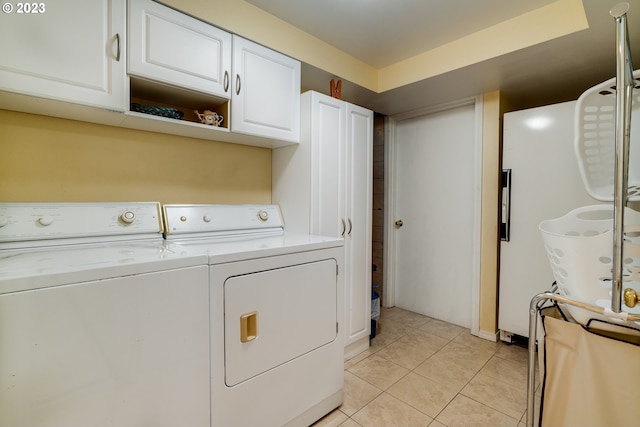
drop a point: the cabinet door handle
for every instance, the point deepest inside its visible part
(238, 85)
(226, 81)
(118, 46)
(350, 227)
(344, 228)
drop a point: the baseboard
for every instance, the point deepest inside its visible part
(356, 348)
(489, 336)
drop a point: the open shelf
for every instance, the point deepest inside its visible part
(147, 92)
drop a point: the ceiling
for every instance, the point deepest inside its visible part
(383, 32)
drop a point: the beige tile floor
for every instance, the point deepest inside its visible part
(423, 372)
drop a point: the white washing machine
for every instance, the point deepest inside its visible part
(276, 309)
(100, 323)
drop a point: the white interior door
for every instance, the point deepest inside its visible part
(435, 193)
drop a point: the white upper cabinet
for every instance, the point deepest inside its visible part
(257, 89)
(66, 50)
(72, 54)
(171, 47)
(266, 92)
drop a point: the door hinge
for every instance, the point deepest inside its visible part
(337, 268)
(337, 327)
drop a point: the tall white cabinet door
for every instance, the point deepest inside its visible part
(171, 47)
(328, 150)
(69, 51)
(308, 178)
(266, 92)
(358, 213)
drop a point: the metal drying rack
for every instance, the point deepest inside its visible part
(625, 85)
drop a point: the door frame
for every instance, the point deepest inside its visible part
(390, 199)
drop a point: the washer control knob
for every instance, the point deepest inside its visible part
(45, 220)
(183, 218)
(3, 220)
(263, 215)
(206, 218)
(127, 217)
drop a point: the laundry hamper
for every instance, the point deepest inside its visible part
(594, 141)
(579, 247)
(589, 380)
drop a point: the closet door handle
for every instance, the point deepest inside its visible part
(118, 47)
(344, 227)
(226, 81)
(350, 227)
(238, 84)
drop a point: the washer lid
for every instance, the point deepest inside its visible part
(24, 269)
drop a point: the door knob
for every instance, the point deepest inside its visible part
(399, 223)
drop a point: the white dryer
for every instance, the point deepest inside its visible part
(100, 323)
(276, 309)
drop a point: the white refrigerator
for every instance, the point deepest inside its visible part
(545, 183)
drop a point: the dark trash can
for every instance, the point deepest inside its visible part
(375, 312)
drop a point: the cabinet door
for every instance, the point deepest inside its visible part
(70, 51)
(359, 199)
(266, 92)
(328, 130)
(171, 47)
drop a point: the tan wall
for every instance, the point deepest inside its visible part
(490, 243)
(51, 159)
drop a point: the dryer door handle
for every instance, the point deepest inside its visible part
(249, 326)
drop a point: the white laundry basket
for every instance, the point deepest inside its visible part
(594, 143)
(579, 246)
